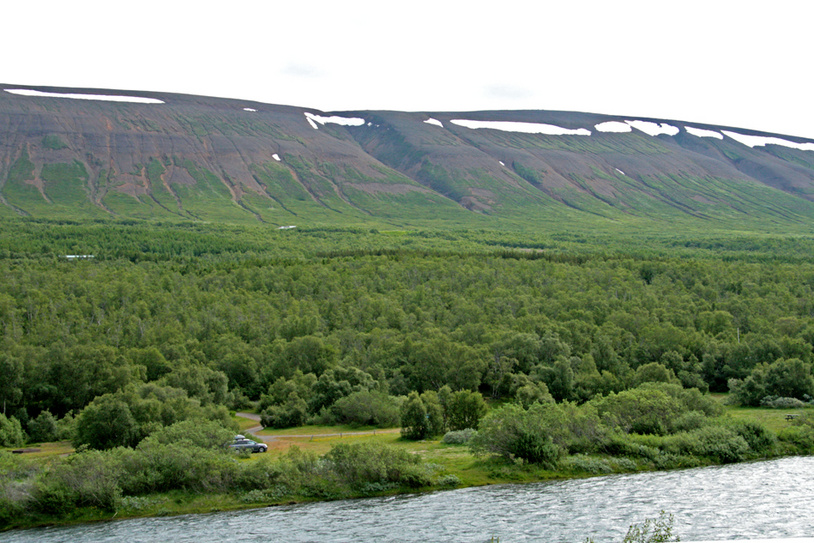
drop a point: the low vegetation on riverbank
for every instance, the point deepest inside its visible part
(185, 469)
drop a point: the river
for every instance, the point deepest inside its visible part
(758, 500)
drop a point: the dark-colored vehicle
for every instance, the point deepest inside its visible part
(242, 444)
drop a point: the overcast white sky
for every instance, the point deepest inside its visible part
(737, 63)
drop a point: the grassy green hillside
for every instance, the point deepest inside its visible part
(212, 160)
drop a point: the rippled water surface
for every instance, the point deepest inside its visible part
(745, 501)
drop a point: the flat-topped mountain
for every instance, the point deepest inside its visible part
(84, 154)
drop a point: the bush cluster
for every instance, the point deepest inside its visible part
(366, 463)
(430, 414)
(777, 402)
(799, 437)
(11, 432)
(784, 378)
(659, 423)
(192, 458)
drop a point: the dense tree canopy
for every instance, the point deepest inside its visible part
(304, 320)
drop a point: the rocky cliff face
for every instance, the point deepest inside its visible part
(191, 157)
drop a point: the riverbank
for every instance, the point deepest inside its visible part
(177, 475)
(718, 502)
(438, 466)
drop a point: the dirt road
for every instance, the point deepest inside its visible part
(268, 439)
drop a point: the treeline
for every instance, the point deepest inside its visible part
(185, 241)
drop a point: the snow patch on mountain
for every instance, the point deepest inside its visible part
(436, 122)
(333, 119)
(761, 141)
(76, 96)
(654, 129)
(311, 122)
(702, 133)
(525, 128)
(613, 126)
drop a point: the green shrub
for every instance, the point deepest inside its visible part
(623, 464)
(87, 478)
(675, 461)
(107, 422)
(10, 508)
(689, 421)
(516, 433)
(587, 464)
(659, 530)
(800, 437)
(304, 463)
(11, 432)
(136, 503)
(760, 439)
(291, 414)
(16, 467)
(656, 408)
(800, 434)
(421, 416)
(264, 473)
(621, 445)
(464, 410)
(43, 428)
(321, 488)
(458, 437)
(376, 488)
(654, 372)
(531, 393)
(788, 378)
(53, 498)
(278, 492)
(644, 410)
(682, 443)
(361, 463)
(127, 416)
(366, 408)
(718, 443)
(776, 402)
(159, 467)
(415, 477)
(534, 447)
(205, 434)
(254, 496)
(66, 427)
(448, 481)
(721, 444)
(17, 483)
(694, 400)
(580, 429)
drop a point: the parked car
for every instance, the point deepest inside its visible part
(242, 444)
